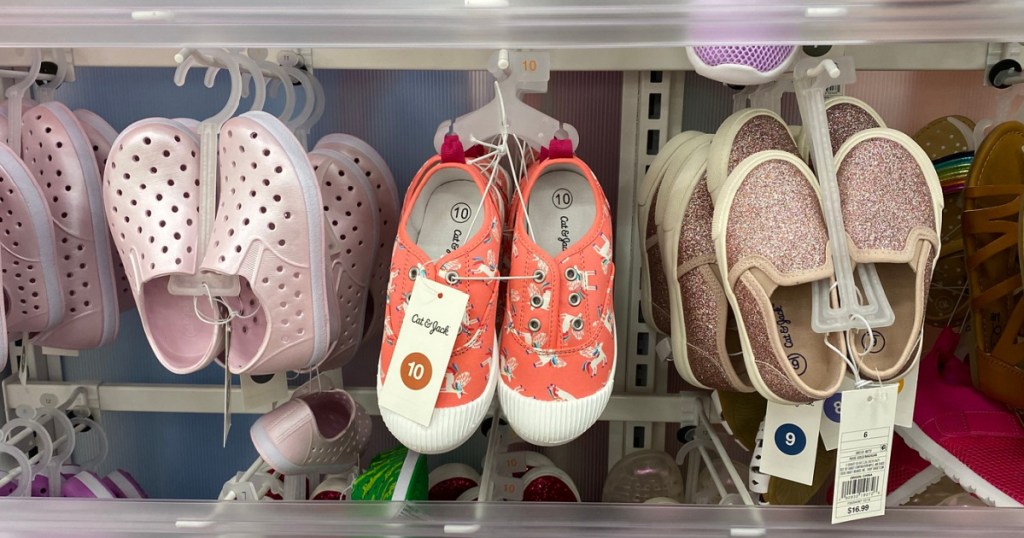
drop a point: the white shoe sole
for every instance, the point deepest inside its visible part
(914, 486)
(954, 468)
(739, 74)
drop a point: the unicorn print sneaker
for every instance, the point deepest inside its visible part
(558, 342)
(450, 229)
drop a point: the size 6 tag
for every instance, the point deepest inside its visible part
(507, 488)
(263, 390)
(862, 462)
(907, 396)
(424, 347)
(532, 66)
(791, 441)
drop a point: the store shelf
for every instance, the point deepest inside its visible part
(502, 23)
(905, 56)
(154, 398)
(80, 517)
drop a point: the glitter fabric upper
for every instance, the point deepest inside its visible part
(760, 133)
(767, 354)
(776, 215)
(884, 195)
(846, 120)
(695, 237)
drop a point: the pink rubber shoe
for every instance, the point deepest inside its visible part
(974, 440)
(320, 432)
(436, 242)
(389, 207)
(32, 285)
(151, 196)
(350, 207)
(57, 151)
(558, 348)
(270, 231)
(101, 135)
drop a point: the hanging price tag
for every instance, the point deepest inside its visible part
(264, 390)
(791, 441)
(907, 396)
(424, 347)
(862, 462)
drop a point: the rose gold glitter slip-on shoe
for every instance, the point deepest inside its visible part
(892, 209)
(742, 135)
(771, 245)
(700, 339)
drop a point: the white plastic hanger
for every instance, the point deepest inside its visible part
(1004, 104)
(279, 74)
(46, 90)
(769, 96)
(319, 104)
(16, 95)
(739, 99)
(811, 77)
(206, 284)
(526, 122)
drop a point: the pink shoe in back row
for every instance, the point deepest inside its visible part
(59, 154)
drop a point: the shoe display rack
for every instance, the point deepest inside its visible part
(643, 41)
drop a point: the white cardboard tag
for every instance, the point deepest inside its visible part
(831, 411)
(907, 396)
(424, 347)
(264, 391)
(791, 441)
(862, 462)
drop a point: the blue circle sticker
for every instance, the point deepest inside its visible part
(790, 439)
(834, 406)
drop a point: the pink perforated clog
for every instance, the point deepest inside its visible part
(350, 207)
(151, 196)
(32, 285)
(58, 153)
(389, 206)
(270, 231)
(101, 135)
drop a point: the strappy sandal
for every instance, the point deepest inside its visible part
(992, 241)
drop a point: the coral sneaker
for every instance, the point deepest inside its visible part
(318, 432)
(974, 440)
(558, 347)
(440, 238)
(151, 196)
(32, 285)
(57, 150)
(271, 233)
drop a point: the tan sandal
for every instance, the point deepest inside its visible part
(992, 241)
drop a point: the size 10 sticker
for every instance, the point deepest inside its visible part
(531, 66)
(862, 460)
(433, 316)
(791, 441)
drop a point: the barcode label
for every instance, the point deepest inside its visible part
(835, 90)
(859, 485)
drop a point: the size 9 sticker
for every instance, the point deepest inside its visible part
(790, 443)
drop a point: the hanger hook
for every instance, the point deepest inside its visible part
(188, 57)
(280, 79)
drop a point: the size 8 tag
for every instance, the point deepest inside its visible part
(862, 462)
(424, 347)
(507, 488)
(831, 411)
(791, 441)
(264, 390)
(532, 66)
(907, 396)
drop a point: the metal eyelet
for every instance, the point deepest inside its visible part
(534, 324)
(577, 324)
(575, 299)
(571, 274)
(451, 277)
(413, 273)
(538, 276)
(536, 301)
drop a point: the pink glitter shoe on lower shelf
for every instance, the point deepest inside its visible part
(318, 432)
(976, 441)
(57, 151)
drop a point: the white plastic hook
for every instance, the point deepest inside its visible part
(811, 77)
(309, 99)
(187, 58)
(15, 95)
(317, 94)
(47, 89)
(279, 74)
